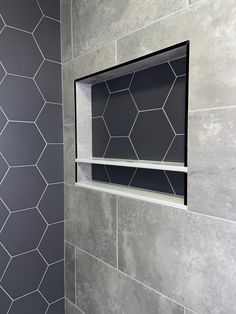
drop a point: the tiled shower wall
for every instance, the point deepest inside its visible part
(128, 256)
(31, 159)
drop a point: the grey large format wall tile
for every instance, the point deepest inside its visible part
(210, 71)
(95, 24)
(66, 40)
(189, 257)
(91, 222)
(69, 153)
(212, 158)
(103, 289)
(70, 271)
(71, 308)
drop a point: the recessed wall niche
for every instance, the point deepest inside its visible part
(131, 127)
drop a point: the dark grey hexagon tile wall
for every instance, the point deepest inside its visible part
(31, 159)
(142, 116)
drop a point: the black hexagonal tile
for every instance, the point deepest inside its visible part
(47, 35)
(22, 56)
(100, 96)
(120, 113)
(23, 231)
(150, 179)
(1, 24)
(52, 286)
(99, 173)
(31, 303)
(4, 213)
(23, 14)
(178, 181)
(120, 148)
(176, 153)
(20, 98)
(2, 72)
(120, 175)
(100, 137)
(23, 274)
(151, 86)
(175, 106)
(50, 8)
(5, 257)
(119, 83)
(152, 135)
(179, 66)
(3, 120)
(3, 167)
(51, 246)
(51, 115)
(57, 307)
(48, 79)
(51, 163)
(52, 203)
(27, 184)
(5, 302)
(21, 143)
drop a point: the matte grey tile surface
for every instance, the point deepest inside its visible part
(1, 24)
(22, 57)
(91, 222)
(66, 48)
(70, 271)
(176, 152)
(105, 290)
(5, 257)
(95, 24)
(50, 8)
(3, 214)
(69, 153)
(3, 120)
(212, 148)
(3, 167)
(57, 307)
(100, 137)
(5, 301)
(2, 71)
(100, 95)
(121, 148)
(71, 309)
(17, 94)
(188, 257)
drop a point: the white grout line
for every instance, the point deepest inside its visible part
(169, 182)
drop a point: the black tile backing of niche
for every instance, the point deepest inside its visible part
(169, 182)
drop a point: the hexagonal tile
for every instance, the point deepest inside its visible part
(3, 260)
(48, 79)
(23, 14)
(120, 113)
(100, 96)
(52, 286)
(47, 35)
(22, 56)
(51, 115)
(20, 98)
(52, 246)
(2, 72)
(50, 8)
(150, 87)
(175, 106)
(120, 148)
(23, 274)
(57, 307)
(3, 120)
(23, 231)
(152, 135)
(120, 175)
(21, 143)
(4, 213)
(176, 152)
(3, 167)
(119, 83)
(178, 181)
(179, 66)
(5, 301)
(99, 173)
(31, 303)
(52, 203)
(51, 163)
(100, 137)
(27, 184)
(1, 24)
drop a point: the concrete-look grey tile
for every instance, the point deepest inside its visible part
(95, 61)
(211, 162)
(212, 71)
(189, 312)
(70, 271)
(97, 23)
(91, 222)
(188, 257)
(102, 289)
(71, 308)
(69, 153)
(66, 48)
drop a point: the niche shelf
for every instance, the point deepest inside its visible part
(131, 128)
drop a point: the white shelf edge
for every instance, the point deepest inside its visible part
(138, 194)
(135, 164)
